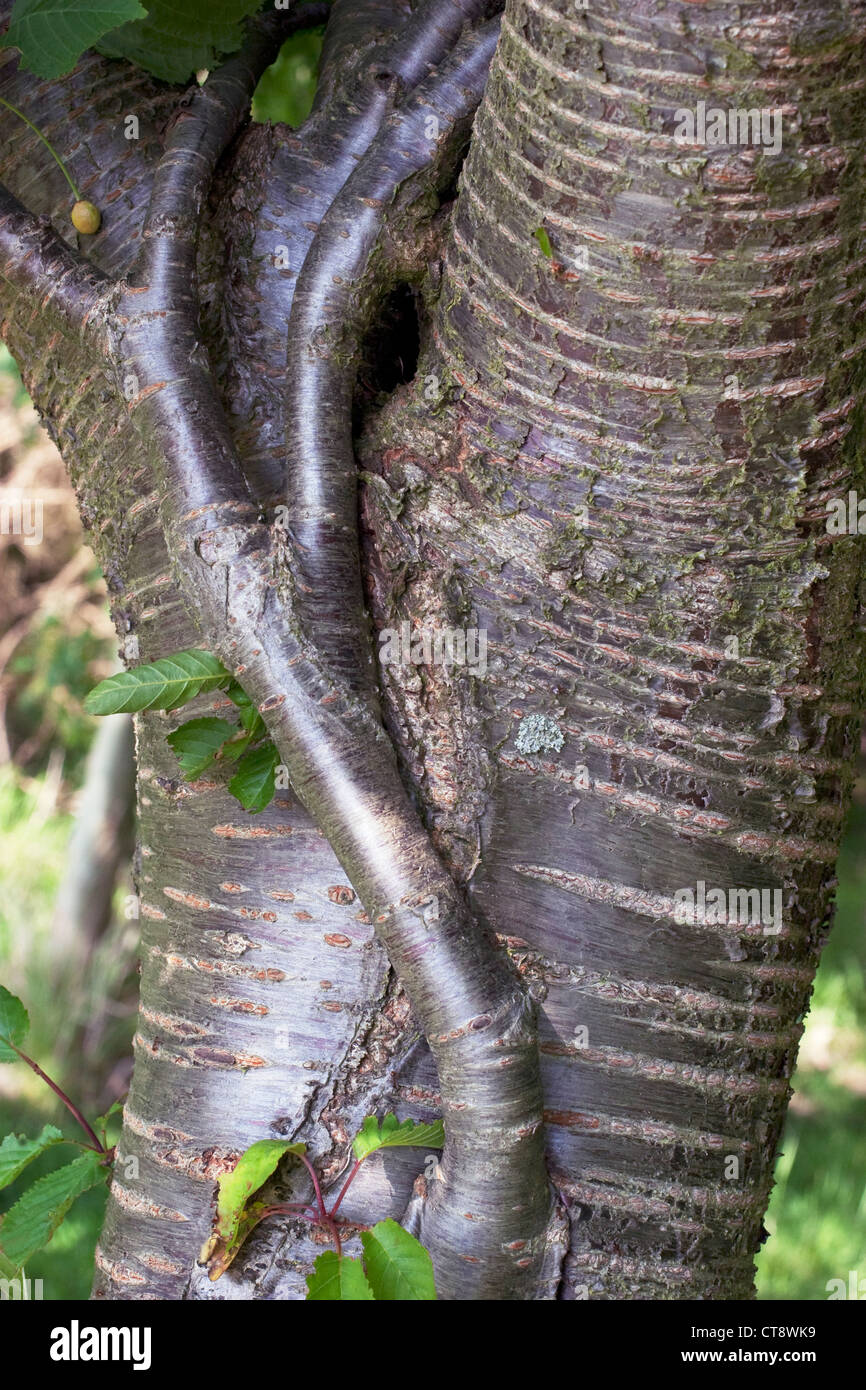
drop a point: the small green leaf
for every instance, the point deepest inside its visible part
(235, 1214)
(179, 37)
(338, 1277)
(250, 717)
(164, 684)
(53, 34)
(253, 783)
(197, 743)
(252, 1169)
(391, 1134)
(235, 748)
(14, 1025)
(16, 1152)
(544, 242)
(398, 1267)
(239, 696)
(32, 1221)
(253, 722)
(218, 1254)
(7, 1269)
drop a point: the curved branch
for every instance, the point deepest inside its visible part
(486, 1222)
(403, 47)
(162, 289)
(431, 34)
(201, 132)
(239, 580)
(334, 301)
(373, 52)
(472, 1009)
(36, 263)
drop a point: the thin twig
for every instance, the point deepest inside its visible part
(70, 1105)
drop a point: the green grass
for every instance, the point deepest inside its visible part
(817, 1215)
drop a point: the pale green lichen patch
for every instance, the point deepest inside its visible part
(537, 732)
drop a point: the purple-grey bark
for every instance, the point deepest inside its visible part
(613, 459)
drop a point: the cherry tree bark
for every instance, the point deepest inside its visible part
(638, 385)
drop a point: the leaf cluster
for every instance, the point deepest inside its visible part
(199, 744)
(394, 1266)
(31, 1222)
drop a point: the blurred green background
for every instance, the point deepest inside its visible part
(55, 642)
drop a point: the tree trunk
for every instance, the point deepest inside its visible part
(639, 384)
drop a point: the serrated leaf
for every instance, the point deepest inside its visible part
(32, 1221)
(252, 1169)
(14, 1025)
(253, 783)
(250, 717)
(398, 1267)
(16, 1151)
(197, 742)
(391, 1134)
(217, 1254)
(235, 1214)
(164, 684)
(179, 37)
(235, 749)
(7, 1269)
(338, 1278)
(238, 695)
(53, 34)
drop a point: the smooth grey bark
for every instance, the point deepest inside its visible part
(545, 386)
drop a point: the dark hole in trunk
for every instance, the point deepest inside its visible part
(390, 352)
